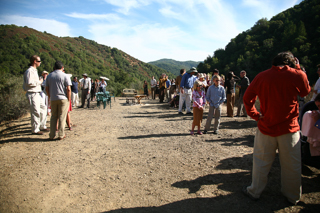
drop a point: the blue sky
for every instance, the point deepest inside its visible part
(148, 30)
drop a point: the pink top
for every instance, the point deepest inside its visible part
(198, 99)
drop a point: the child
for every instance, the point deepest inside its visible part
(215, 96)
(199, 101)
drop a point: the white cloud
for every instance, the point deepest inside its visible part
(126, 5)
(51, 26)
(107, 17)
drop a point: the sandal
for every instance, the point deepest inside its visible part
(199, 132)
(192, 133)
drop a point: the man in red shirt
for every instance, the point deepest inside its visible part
(277, 89)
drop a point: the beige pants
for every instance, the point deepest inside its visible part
(231, 98)
(74, 99)
(59, 110)
(265, 147)
(38, 111)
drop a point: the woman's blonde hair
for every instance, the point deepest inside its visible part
(197, 83)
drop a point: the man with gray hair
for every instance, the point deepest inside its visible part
(58, 88)
(243, 87)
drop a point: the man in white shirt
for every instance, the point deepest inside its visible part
(316, 88)
(32, 85)
(86, 88)
(58, 88)
(153, 84)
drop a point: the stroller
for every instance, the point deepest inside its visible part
(305, 146)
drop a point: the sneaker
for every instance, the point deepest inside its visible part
(192, 133)
(199, 132)
(189, 113)
(180, 113)
(245, 191)
(205, 132)
(215, 132)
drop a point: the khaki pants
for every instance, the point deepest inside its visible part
(38, 111)
(217, 114)
(265, 147)
(241, 106)
(231, 98)
(59, 110)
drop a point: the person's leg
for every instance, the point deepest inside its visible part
(88, 100)
(209, 118)
(54, 118)
(83, 97)
(239, 105)
(188, 99)
(181, 100)
(217, 116)
(264, 153)
(229, 105)
(63, 110)
(233, 100)
(43, 114)
(290, 161)
(34, 101)
(68, 121)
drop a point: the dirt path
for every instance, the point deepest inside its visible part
(138, 159)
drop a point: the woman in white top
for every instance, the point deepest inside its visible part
(102, 85)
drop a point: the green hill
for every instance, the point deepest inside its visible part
(79, 55)
(174, 66)
(296, 29)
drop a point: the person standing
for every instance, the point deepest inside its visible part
(167, 90)
(178, 82)
(153, 84)
(186, 86)
(43, 94)
(243, 87)
(74, 92)
(316, 88)
(145, 89)
(32, 85)
(278, 129)
(230, 90)
(216, 96)
(86, 88)
(58, 87)
(199, 102)
(162, 86)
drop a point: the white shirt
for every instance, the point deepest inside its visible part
(153, 83)
(31, 82)
(316, 88)
(86, 84)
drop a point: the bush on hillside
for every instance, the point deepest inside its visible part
(13, 102)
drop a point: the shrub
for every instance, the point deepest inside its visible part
(13, 102)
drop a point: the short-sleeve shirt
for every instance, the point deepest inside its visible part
(57, 81)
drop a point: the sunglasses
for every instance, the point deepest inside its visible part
(38, 61)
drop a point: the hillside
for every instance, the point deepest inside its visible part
(174, 66)
(79, 56)
(296, 29)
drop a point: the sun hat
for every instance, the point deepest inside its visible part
(193, 69)
(85, 74)
(44, 72)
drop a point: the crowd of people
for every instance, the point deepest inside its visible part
(277, 88)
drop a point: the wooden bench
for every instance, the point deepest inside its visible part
(129, 92)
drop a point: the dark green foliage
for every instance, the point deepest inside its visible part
(13, 102)
(79, 55)
(174, 66)
(296, 29)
